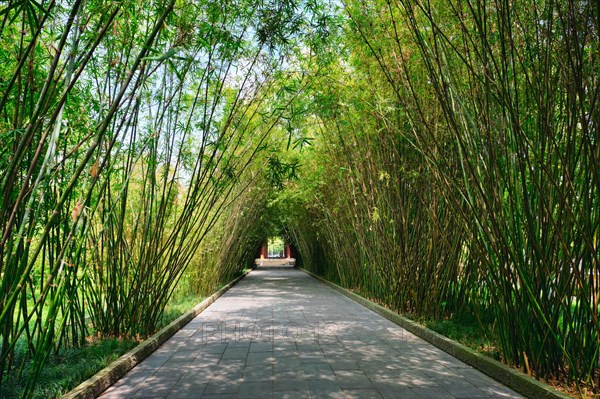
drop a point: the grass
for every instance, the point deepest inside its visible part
(178, 307)
(67, 369)
(468, 331)
(479, 335)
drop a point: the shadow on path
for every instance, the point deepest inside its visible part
(280, 333)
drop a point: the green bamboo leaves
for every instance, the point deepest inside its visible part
(126, 129)
(438, 156)
(484, 116)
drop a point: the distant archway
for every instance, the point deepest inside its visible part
(276, 250)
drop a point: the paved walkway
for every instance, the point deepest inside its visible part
(280, 333)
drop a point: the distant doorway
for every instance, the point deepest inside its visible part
(276, 252)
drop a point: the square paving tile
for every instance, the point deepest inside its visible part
(362, 394)
(259, 389)
(254, 373)
(261, 347)
(281, 384)
(317, 370)
(187, 390)
(290, 394)
(223, 386)
(235, 353)
(353, 379)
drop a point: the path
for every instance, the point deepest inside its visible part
(280, 333)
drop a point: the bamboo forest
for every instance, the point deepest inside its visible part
(438, 157)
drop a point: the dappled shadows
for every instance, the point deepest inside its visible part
(281, 333)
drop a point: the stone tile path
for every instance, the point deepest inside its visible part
(280, 333)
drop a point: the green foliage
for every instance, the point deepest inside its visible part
(455, 171)
(439, 156)
(125, 130)
(65, 370)
(69, 367)
(468, 331)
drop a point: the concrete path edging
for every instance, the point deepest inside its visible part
(522, 383)
(98, 383)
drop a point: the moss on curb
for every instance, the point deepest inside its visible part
(97, 384)
(512, 378)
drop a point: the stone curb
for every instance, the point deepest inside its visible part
(514, 379)
(98, 383)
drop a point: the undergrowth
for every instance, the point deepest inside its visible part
(70, 367)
